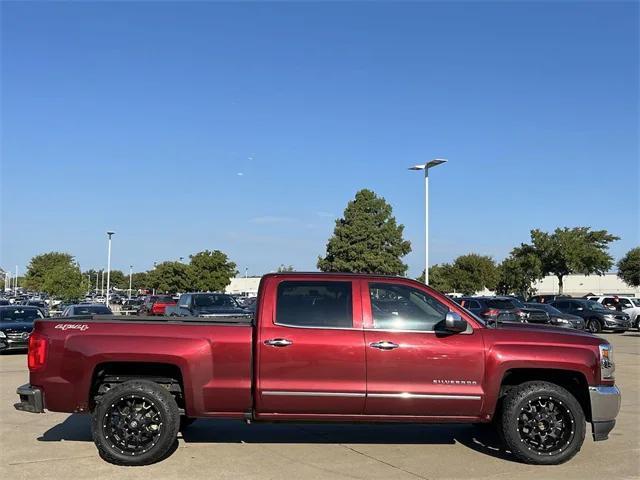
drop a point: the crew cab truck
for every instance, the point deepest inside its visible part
(324, 347)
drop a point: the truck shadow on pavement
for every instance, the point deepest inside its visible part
(481, 439)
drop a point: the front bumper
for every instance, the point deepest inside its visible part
(5, 345)
(605, 405)
(617, 324)
(31, 399)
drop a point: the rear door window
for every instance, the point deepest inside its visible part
(314, 304)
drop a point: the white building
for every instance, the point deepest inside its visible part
(247, 286)
(580, 285)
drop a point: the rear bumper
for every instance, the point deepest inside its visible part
(31, 399)
(605, 405)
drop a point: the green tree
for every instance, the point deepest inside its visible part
(211, 270)
(518, 272)
(468, 274)
(285, 268)
(118, 279)
(140, 281)
(440, 277)
(572, 250)
(170, 277)
(64, 281)
(629, 267)
(471, 273)
(367, 239)
(41, 265)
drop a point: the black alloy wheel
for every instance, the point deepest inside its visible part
(542, 423)
(545, 425)
(136, 423)
(133, 423)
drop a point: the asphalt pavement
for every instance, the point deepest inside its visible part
(58, 446)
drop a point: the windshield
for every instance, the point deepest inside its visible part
(592, 305)
(16, 315)
(214, 300)
(517, 303)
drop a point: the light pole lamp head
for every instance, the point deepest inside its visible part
(110, 233)
(432, 163)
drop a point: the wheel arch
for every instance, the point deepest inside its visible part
(105, 375)
(573, 381)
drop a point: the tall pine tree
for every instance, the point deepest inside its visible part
(367, 239)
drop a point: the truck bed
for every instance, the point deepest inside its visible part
(213, 355)
(213, 319)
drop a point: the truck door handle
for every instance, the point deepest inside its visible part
(384, 345)
(278, 342)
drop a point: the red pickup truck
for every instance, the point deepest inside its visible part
(324, 347)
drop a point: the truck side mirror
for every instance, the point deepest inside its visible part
(453, 322)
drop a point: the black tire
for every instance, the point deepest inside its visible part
(137, 403)
(594, 325)
(558, 419)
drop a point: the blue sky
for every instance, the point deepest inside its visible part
(248, 127)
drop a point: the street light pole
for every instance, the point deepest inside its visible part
(130, 277)
(426, 167)
(109, 234)
(15, 283)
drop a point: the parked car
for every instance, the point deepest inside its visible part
(16, 324)
(596, 317)
(132, 305)
(324, 347)
(628, 305)
(546, 298)
(503, 310)
(86, 309)
(115, 298)
(250, 304)
(559, 319)
(41, 304)
(156, 304)
(205, 305)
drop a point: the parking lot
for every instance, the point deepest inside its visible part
(59, 445)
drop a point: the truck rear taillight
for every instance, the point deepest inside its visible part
(37, 351)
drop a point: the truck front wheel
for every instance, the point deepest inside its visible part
(135, 423)
(542, 423)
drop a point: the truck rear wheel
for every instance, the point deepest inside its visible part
(542, 423)
(135, 423)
